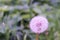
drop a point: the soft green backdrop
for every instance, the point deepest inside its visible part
(16, 14)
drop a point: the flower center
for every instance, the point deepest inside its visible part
(38, 24)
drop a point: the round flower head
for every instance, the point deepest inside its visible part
(38, 24)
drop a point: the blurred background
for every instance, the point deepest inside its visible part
(15, 16)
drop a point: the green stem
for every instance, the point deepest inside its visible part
(25, 36)
(30, 8)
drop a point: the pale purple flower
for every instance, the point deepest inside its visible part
(25, 6)
(35, 4)
(39, 24)
(2, 27)
(54, 2)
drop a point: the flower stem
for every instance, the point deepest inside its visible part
(37, 36)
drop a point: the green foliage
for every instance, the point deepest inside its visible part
(15, 16)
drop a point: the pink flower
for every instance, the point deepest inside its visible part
(39, 24)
